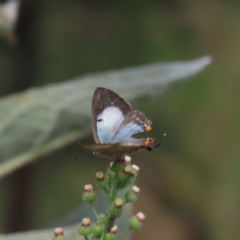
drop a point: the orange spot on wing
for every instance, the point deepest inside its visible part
(148, 128)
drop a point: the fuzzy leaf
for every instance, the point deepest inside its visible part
(40, 120)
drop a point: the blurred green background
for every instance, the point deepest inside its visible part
(190, 188)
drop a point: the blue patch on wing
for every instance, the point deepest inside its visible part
(127, 131)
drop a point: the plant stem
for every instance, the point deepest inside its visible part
(95, 213)
(111, 197)
(123, 233)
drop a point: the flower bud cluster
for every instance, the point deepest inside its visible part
(125, 173)
(121, 174)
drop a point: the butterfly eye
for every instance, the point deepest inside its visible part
(150, 148)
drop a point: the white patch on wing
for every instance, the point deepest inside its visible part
(107, 123)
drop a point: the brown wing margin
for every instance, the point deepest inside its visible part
(103, 98)
(139, 118)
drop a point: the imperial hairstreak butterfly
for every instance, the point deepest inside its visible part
(114, 123)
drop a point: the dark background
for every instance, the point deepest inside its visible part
(189, 187)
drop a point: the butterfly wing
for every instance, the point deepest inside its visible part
(133, 123)
(108, 113)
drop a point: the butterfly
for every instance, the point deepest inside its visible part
(113, 124)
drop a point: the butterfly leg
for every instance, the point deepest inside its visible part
(106, 161)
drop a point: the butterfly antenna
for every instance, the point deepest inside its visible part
(159, 144)
(78, 158)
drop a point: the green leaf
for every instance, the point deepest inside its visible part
(44, 119)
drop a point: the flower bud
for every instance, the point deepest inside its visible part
(118, 164)
(124, 174)
(116, 209)
(133, 174)
(109, 236)
(135, 222)
(58, 234)
(128, 160)
(103, 218)
(113, 230)
(136, 168)
(97, 230)
(85, 227)
(89, 196)
(102, 181)
(110, 174)
(132, 195)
